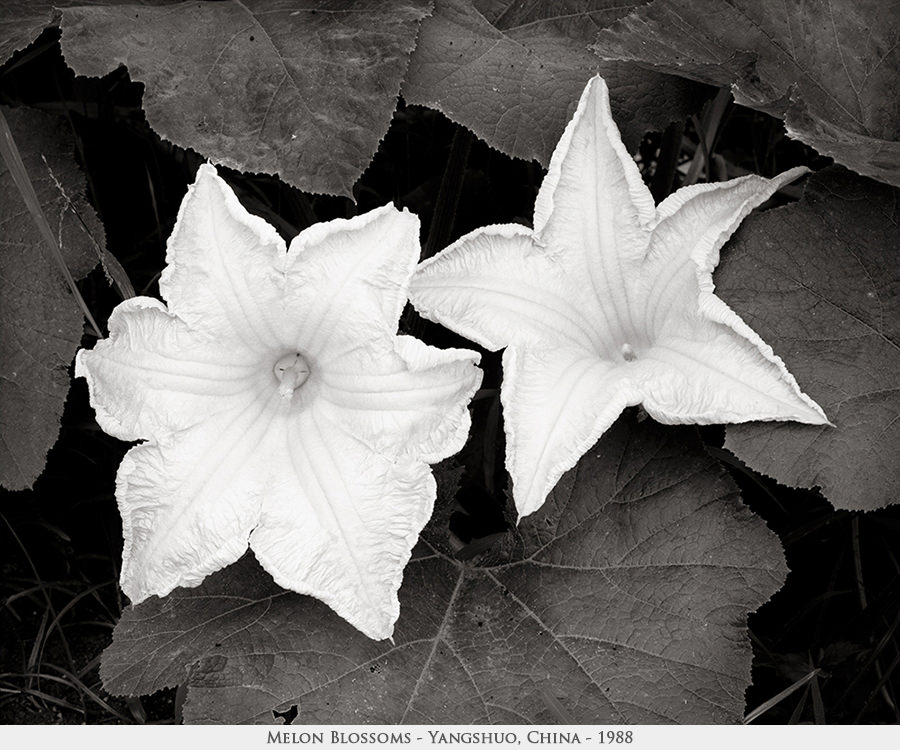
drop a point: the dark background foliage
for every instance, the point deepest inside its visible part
(836, 618)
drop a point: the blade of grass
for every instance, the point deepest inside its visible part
(444, 217)
(136, 706)
(707, 134)
(818, 704)
(78, 685)
(42, 696)
(10, 153)
(35, 655)
(797, 713)
(55, 623)
(873, 659)
(701, 157)
(667, 161)
(879, 687)
(47, 599)
(95, 662)
(491, 436)
(68, 680)
(775, 700)
(38, 588)
(857, 562)
(863, 604)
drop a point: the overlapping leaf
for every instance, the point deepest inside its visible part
(512, 73)
(623, 600)
(307, 91)
(40, 322)
(832, 70)
(20, 24)
(302, 90)
(23, 20)
(820, 281)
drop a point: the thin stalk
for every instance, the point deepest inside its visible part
(879, 687)
(667, 161)
(42, 696)
(55, 624)
(707, 133)
(491, 437)
(818, 705)
(445, 209)
(115, 274)
(797, 713)
(37, 651)
(879, 647)
(863, 602)
(69, 679)
(700, 158)
(857, 562)
(448, 195)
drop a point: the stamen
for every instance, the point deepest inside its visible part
(292, 372)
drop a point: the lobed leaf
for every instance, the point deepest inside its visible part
(21, 23)
(302, 90)
(624, 599)
(40, 321)
(513, 72)
(831, 70)
(820, 281)
(23, 20)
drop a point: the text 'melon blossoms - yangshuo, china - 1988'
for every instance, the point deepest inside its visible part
(279, 407)
(608, 302)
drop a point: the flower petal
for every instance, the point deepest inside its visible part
(153, 376)
(557, 402)
(188, 504)
(341, 522)
(496, 287)
(225, 267)
(414, 403)
(594, 209)
(347, 279)
(693, 225)
(720, 372)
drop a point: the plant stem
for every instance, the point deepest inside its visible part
(707, 134)
(448, 195)
(444, 217)
(667, 161)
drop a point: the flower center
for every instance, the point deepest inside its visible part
(292, 372)
(628, 353)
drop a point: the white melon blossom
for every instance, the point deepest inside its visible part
(607, 303)
(278, 406)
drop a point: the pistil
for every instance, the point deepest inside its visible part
(291, 371)
(628, 353)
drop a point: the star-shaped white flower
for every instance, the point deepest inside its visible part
(279, 407)
(607, 303)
